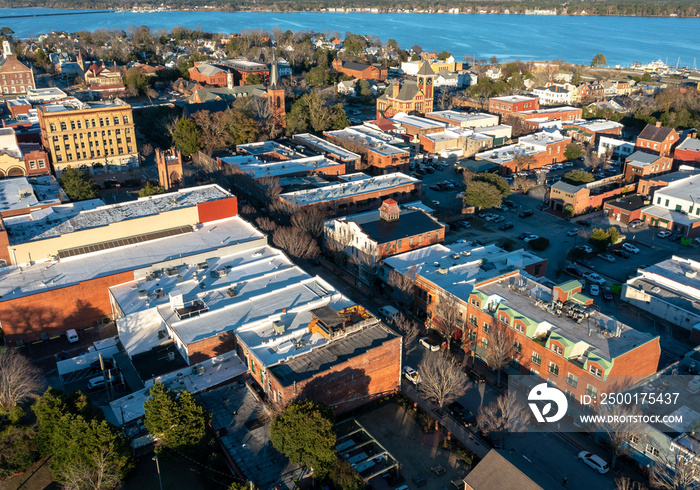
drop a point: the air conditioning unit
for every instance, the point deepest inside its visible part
(198, 370)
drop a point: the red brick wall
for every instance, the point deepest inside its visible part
(52, 312)
(551, 115)
(501, 107)
(215, 210)
(211, 347)
(686, 156)
(642, 361)
(4, 246)
(384, 250)
(363, 378)
(218, 80)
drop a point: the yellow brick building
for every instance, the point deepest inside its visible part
(98, 137)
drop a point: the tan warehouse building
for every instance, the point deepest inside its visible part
(98, 137)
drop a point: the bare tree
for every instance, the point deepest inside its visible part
(366, 265)
(680, 473)
(312, 220)
(625, 483)
(441, 380)
(622, 425)
(500, 348)
(296, 242)
(98, 472)
(20, 380)
(404, 282)
(338, 239)
(266, 224)
(410, 330)
(146, 149)
(271, 187)
(504, 414)
(448, 316)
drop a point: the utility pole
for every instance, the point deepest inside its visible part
(160, 482)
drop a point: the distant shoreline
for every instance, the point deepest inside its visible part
(359, 10)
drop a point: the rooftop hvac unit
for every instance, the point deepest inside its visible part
(198, 370)
(143, 294)
(171, 356)
(202, 266)
(159, 292)
(172, 271)
(279, 327)
(443, 270)
(691, 274)
(231, 292)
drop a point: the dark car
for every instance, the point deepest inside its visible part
(607, 294)
(435, 187)
(505, 226)
(456, 225)
(508, 203)
(584, 222)
(621, 253)
(476, 376)
(459, 412)
(523, 236)
(573, 271)
(526, 214)
(430, 170)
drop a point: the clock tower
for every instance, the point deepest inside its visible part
(426, 78)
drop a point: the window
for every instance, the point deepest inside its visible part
(485, 343)
(472, 335)
(572, 380)
(592, 391)
(557, 349)
(32, 164)
(42, 163)
(553, 369)
(634, 439)
(536, 359)
(110, 142)
(518, 327)
(116, 120)
(652, 450)
(63, 126)
(410, 240)
(53, 127)
(518, 347)
(595, 371)
(473, 320)
(475, 302)
(486, 328)
(126, 121)
(503, 319)
(666, 202)
(72, 124)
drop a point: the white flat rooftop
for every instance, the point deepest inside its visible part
(417, 122)
(22, 193)
(348, 189)
(597, 125)
(514, 98)
(327, 146)
(258, 169)
(244, 293)
(265, 147)
(364, 137)
(56, 221)
(22, 281)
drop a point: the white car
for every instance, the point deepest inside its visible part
(585, 248)
(594, 461)
(410, 374)
(594, 278)
(569, 164)
(630, 248)
(572, 233)
(607, 257)
(530, 238)
(664, 234)
(595, 290)
(428, 344)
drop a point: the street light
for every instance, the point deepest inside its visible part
(160, 482)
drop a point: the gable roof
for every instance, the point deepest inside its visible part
(425, 69)
(506, 472)
(407, 91)
(655, 133)
(640, 157)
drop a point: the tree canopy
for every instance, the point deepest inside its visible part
(312, 112)
(578, 177)
(599, 60)
(494, 179)
(77, 184)
(573, 151)
(482, 195)
(305, 434)
(150, 190)
(186, 137)
(177, 420)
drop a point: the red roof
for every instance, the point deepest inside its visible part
(384, 124)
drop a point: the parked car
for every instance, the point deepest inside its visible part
(572, 233)
(621, 253)
(584, 222)
(586, 248)
(464, 415)
(475, 375)
(505, 226)
(664, 234)
(523, 236)
(465, 224)
(595, 290)
(573, 271)
(509, 204)
(607, 257)
(634, 223)
(435, 203)
(429, 344)
(630, 248)
(72, 335)
(526, 214)
(530, 238)
(410, 374)
(593, 278)
(607, 294)
(499, 219)
(594, 461)
(435, 187)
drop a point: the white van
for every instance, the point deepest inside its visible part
(96, 382)
(72, 336)
(389, 312)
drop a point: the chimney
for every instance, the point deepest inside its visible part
(395, 90)
(658, 124)
(229, 79)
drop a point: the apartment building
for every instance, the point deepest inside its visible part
(15, 76)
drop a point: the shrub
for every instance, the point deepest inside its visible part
(539, 244)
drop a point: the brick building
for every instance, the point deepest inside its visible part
(98, 75)
(360, 193)
(15, 76)
(408, 96)
(562, 113)
(70, 254)
(642, 164)
(97, 136)
(295, 167)
(360, 70)
(374, 235)
(531, 152)
(329, 150)
(228, 73)
(512, 103)
(21, 159)
(688, 152)
(591, 131)
(591, 92)
(415, 125)
(647, 185)
(464, 119)
(657, 140)
(206, 73)
(625, 209)
(458, 142)
(587, 197)
(169, 165)
(675, 207)
(296, 334)
(377, 154)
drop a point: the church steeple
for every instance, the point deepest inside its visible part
(274, 72)
(426, 77)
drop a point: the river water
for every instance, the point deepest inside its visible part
(623, 40)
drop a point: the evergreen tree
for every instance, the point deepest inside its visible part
(77, 184)
(186, 137)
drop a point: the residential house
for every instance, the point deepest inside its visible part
(590, 92)
(675, 207)
(553, 95)
(99, 75)
(347, 87)
(361, 71)
(15, 76)
(657, 140)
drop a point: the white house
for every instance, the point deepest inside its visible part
(347, 87)
(620, 149)
(553, 95)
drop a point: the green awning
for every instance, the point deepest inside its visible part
(570, 285)
(580, 298)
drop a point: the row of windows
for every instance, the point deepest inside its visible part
(13, 90)
(67, 146)
(93, 154)
(90, 123)
(33, 164)
(19, 75)
(94, 134)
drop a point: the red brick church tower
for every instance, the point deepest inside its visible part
(169, 163)
(275, 92)
(426, 78)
